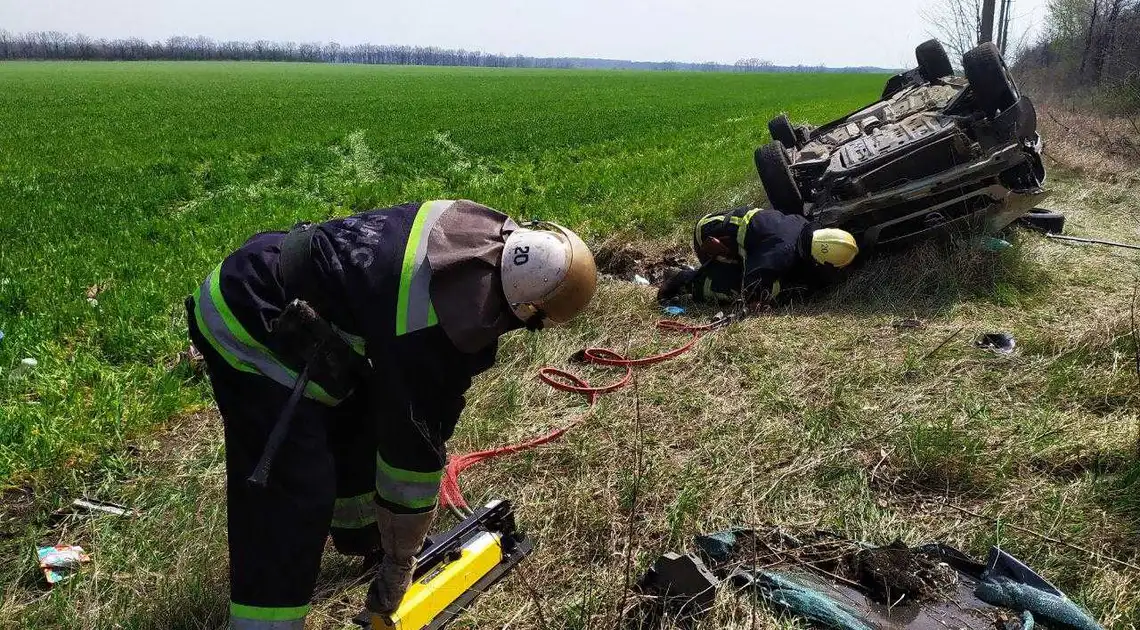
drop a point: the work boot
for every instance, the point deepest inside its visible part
(401, 538)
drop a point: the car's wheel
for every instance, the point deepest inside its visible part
(776, 175)
(933, 62)
(994, 89)
(781, 129)
(1044, 221)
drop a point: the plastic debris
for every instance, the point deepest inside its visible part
(1001, 343)
(674, 310)
(61, 562)
(640, 280)
(994, 244)
(26, 365)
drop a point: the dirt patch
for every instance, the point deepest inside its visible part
(891, 575)
(624, 261)
(17, 507)
(185, 437)
(897, 573)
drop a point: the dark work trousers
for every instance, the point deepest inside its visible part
(277, 534)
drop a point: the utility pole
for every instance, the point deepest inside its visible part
(1003, 26)
(1000, 26)
(986, 28)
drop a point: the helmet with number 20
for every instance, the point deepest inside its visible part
(548, 274)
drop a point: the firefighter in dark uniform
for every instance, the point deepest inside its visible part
(760, 256)
(416, 297)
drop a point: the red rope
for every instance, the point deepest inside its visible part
(450, 494)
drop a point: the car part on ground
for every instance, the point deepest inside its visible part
(1043, 220)
(939, 154)
(830, 581)
(687, 587)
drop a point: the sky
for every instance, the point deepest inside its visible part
(831, 32)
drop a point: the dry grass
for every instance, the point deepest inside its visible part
(819, 415)
(1105, 148)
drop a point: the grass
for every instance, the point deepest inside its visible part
(129, 181)
(816, 415)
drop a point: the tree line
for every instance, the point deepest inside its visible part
(1090, 43)
(55, 45)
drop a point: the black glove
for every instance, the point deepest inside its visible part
(675, 284)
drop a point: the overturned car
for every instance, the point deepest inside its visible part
(937, 154)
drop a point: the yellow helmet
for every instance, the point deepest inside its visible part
(833, 247)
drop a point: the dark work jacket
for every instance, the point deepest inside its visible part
(418, 380)
(773, 261)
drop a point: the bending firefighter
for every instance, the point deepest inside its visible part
(759, 256)
(368, 329)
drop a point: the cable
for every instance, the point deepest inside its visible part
(450, 494)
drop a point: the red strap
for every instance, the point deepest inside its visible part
(450, 494)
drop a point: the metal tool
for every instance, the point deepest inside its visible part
(454, 568)
(260, 476)
(1093, 241)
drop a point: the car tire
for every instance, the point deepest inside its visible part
(933, 62)
(776, 175)
(781, 129)
(1044, 221)
(994, 89)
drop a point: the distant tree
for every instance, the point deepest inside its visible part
(962, 24)
(955, 23)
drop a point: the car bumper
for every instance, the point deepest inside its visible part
(984, 203)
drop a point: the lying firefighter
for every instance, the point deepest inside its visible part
(760, 256)
(412, 300)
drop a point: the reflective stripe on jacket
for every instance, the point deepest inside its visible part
(243, 352)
